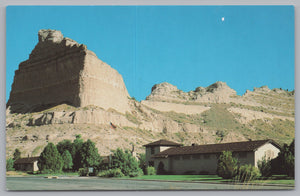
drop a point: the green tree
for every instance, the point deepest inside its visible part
(10, 164)
(227, 165)
(17, 154)
(125, 162)
(65, 145)
(67, 160)
(77, 145)
(50, 160)
(142, 162)
(88, 154)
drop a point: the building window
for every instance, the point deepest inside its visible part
(152, 150)
(206, 156)
(151, 163)
(196, 156)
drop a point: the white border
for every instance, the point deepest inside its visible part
(4, 3)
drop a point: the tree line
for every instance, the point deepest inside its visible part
(78, 155)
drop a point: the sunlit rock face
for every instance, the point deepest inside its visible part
(60, 70)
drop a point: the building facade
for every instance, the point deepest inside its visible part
(27, 164)
(203, 159)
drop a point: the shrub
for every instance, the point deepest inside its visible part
(17, 154)
(150, 171)
(227, 165)
(264, 167)
(247, 173)
(139, 172)
(111, 173)
(142, 162)
(47, 171)
(10, 164)
(124, 161)
(82, 172)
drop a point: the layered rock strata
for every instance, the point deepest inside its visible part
(60, 70)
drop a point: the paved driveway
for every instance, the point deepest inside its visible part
(96, 183)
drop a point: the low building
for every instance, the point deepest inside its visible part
(27, 164)
(203, 159)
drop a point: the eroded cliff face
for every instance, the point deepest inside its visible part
(60, 70)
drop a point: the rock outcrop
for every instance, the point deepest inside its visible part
(60, 70)
(218, 92)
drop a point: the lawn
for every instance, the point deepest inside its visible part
(214, 178)
(180, 177)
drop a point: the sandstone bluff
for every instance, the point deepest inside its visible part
(59, 70)
(63, 89)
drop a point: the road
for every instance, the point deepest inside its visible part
(96, 183)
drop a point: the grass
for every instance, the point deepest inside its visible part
(16, 173)
(179, 177)
(213, 178)
(59, 174)
(132, 118)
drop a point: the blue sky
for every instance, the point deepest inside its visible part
(187, 46)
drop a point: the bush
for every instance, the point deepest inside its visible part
(150, 171)
(82, 172)
(125, 162)
(10, 164)
(227, 165)
(264, 167)
(247, 173)
(139, 172)
(111, 173)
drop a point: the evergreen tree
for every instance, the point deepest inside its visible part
(227, 165)
(88, 154)
(67, 160)
(50, 160)
(17, 154)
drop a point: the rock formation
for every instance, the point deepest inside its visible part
(218, 92)
(60, 70)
